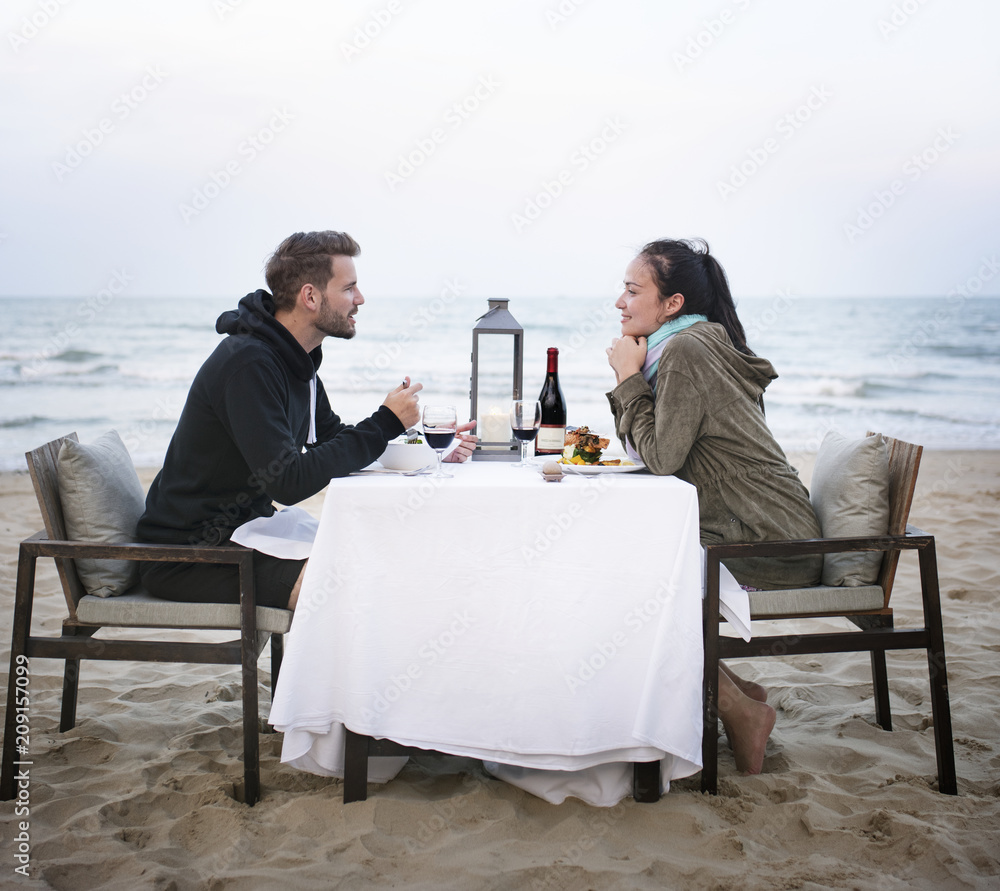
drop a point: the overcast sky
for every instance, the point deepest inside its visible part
(518, 148)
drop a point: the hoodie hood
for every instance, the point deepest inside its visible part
(254, 316)
(752, 373)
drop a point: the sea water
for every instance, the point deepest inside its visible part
(926, 370)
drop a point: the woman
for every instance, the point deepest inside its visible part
(689, 402)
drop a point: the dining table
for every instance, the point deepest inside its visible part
(550, 628)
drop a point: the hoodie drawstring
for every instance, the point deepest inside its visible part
(312, 411)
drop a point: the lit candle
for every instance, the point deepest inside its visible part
(496, 426)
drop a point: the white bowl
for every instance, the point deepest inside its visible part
(407, 456)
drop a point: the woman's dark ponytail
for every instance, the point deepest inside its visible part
(725, 307)
(686, 267)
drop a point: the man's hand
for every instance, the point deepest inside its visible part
(626, 355)
(404, 404)
(466, 444)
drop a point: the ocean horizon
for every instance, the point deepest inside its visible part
(923, 369)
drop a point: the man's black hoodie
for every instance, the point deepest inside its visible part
(239, 443)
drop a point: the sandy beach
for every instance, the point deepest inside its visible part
(140, 793)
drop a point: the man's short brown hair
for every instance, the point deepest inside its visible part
(305, 258)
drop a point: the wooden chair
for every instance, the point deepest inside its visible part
(134, 609)
(867, 608)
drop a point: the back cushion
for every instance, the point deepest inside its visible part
(850, 494)
(102, 500)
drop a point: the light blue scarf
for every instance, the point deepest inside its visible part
(657, 341)
(654, 347)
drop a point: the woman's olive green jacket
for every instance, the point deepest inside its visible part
(705, 426)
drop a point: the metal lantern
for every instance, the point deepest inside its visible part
(494, 383)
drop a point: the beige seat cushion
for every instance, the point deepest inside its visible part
(102, 500)
(822, 600)
(142, 610)
(850, 494)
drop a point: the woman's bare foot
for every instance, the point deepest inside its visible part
(747, 688)
(748, 724)
(750, 742)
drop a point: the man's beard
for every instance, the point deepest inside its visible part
(334, 325)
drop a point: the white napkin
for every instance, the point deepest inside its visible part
(734, 602)
(288, 534)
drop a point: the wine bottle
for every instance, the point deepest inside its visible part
(552, 433)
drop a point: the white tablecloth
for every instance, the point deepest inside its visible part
(499, 616)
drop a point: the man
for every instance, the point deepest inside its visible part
(257, 426)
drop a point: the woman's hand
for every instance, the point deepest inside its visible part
(626, 355)
(466, 444)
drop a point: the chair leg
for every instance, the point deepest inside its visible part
(710, 739)
(71, 681)
(940, 705)
(248, 657)
(355, 766)
(880, 681)
(251, 723)
(710, 688)
(251, 728)
(646, 781)
(277, 654)
(880, 677)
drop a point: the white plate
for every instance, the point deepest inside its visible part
(592, 469)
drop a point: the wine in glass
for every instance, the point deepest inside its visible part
(525, 418)
(440, 426)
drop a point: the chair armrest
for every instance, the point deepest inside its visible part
(40, 546)
(796, 547)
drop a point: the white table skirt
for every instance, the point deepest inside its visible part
(554, 626)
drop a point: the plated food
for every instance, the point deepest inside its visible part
(584, 448)
(584, 454)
